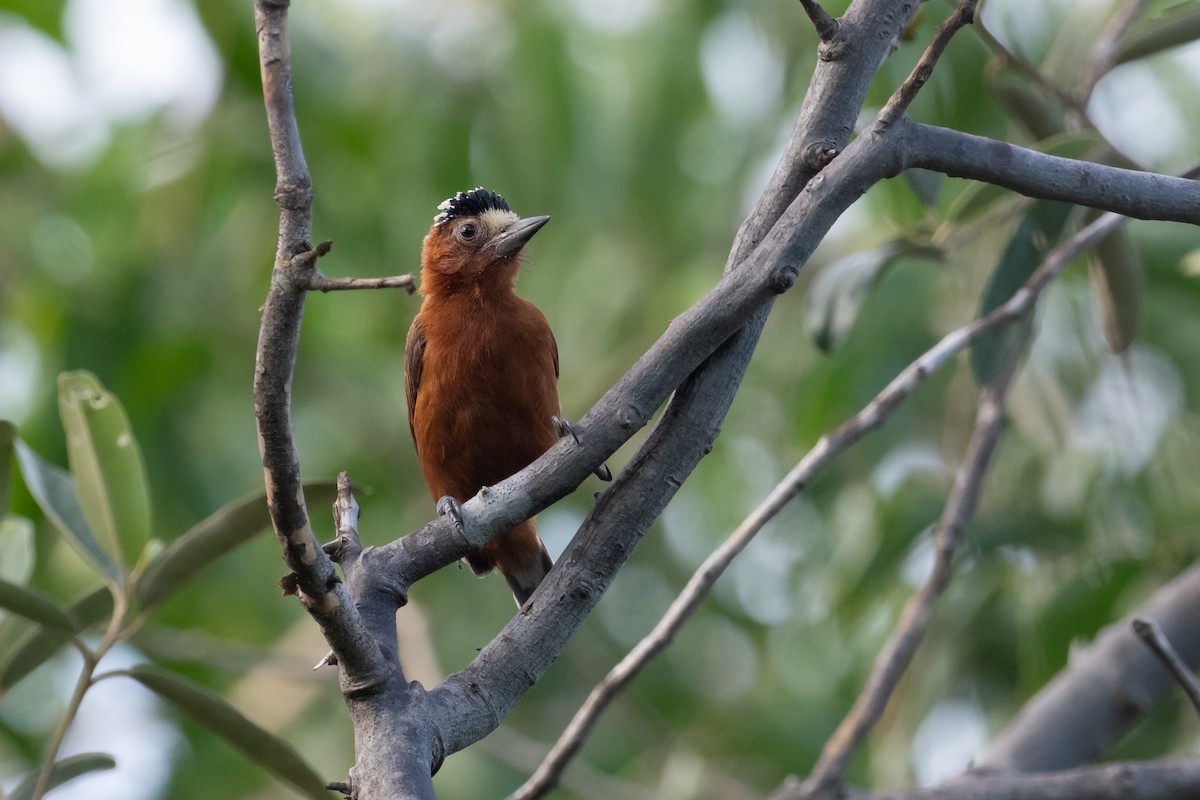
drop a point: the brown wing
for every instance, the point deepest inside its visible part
(414, 361)
(554, 350)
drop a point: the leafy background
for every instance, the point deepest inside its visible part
(136, 235)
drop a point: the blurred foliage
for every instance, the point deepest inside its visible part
(646, 129)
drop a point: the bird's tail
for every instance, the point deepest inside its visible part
(519, 555)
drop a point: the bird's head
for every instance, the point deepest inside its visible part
(475, 241)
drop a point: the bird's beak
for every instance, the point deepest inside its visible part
(514, 237)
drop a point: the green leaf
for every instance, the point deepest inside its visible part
(36, 606)
(45, 15)
(1073, 41)
(1150, 36)
(8, 433)
(1119, 280)
(210, 710)
(38, 645)
(925, 184)
(55, 494)
(106, 464)
(211, 538)
(16, 543)
(65, 770)
(837, 293)
(996, 351)
(16, 553)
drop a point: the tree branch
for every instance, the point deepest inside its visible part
(685, 434)
(897, 653)
(901, 99)
(1169, 779)
(321, 283)
(301, 269)
(317, 584)
(1103, 690)
(394, 755)
(1161, 646)
(827, 27)
(1142, 195)
(346, 545)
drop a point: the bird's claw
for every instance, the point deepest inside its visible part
(565, 428)
(449, 507)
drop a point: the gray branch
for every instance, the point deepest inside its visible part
(1074, 719)
(394, 754)
(1141, 195)
(1157, 641)
(313, 576)
(1103, 690)
(1168, 779)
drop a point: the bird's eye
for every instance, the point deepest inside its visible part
(467, 231)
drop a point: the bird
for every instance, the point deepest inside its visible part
(481, 373)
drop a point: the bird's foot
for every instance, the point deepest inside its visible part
(449, 507)
(566, 428)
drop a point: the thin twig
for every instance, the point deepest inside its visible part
(313, 575)
(322, 284)
(897, 653)
(302, 270)
(114, 633)
(902, 98)
(82, 684)
(827, 27)
(346, 546)
(830, 445)
(1157, 641)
